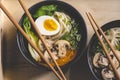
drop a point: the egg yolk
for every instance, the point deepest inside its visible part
(50, 25)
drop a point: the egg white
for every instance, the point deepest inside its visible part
(40, 25)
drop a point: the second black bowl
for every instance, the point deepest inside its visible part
(93, 45)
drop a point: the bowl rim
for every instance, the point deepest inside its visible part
(104, 28)
(83, 22)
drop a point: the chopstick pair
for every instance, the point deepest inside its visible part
(94, 24)
(40, 36)
(61, 76)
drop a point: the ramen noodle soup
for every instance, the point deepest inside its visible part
(60, 32)
(100, 60)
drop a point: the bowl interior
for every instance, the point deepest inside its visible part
(92, 46)
(69, 10)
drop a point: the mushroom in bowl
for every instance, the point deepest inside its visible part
(64, 32)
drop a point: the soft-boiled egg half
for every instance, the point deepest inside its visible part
(47, 25)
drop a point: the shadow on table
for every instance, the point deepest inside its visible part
(81, 70)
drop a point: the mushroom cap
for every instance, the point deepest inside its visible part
(48, 57)
(107, 74)
(100, 60)
(49, 44)
(114, 59)
(62, 46)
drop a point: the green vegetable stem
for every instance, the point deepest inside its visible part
(27, 28)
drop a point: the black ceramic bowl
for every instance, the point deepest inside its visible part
(69, 10)
(92, 46)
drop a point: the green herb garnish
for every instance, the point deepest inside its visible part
(45, 10)
(73, 36)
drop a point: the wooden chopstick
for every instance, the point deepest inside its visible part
(28, 39)
(105, 38)
(103, 45)
(40, 36)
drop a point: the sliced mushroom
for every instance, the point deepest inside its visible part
(107, 74)
(100, 60)
(62, 46)
(54, 53)
(49, 44)
(114, 59)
